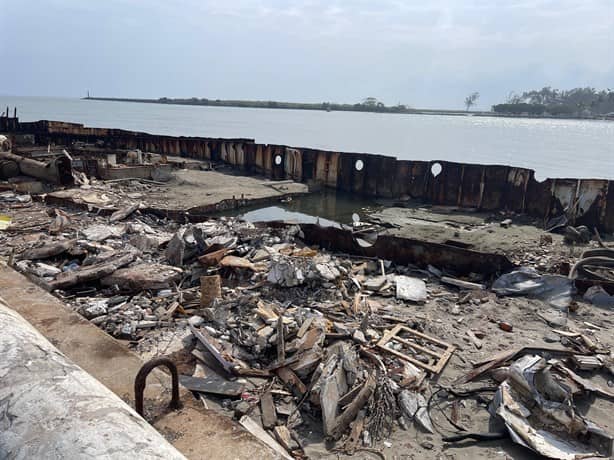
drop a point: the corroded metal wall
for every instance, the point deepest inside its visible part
(484, 187)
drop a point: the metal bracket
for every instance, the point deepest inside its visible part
(140, 382)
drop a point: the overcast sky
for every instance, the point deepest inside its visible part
(425, 53)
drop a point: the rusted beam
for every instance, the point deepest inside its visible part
(408, 251)
(486, 187)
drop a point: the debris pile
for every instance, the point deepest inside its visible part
(261, 304)
(299, 343)
(536, 404)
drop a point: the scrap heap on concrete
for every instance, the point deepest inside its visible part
(432, 328)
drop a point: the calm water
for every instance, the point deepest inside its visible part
(328, 207)
(554, 148)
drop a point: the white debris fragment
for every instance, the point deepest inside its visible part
(101, 232)
(286, 272)
(409, 288)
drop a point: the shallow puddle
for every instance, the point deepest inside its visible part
(329, 208)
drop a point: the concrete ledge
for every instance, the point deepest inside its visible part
(53, 408)
(83, 343)
(197, 433)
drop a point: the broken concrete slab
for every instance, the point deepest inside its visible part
(412, 289)
(375, 283)
(414, 407)
(148, 243)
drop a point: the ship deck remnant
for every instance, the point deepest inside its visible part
(587, 202)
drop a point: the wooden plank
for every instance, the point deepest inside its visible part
(349, 396)
(171, 310)
(461, 284)
(227, 365)
(349, 414)
(423, 336)
(291, 379)
(211, 384)
(353, 441)
(267, 410)
(444, 360)
(410, 359)
(285, 438)
(258, 432)
(329, 400)
(506, 355)
(281, 343)
(250, 372)
(415, 346)
(304, 327)
(308, 359)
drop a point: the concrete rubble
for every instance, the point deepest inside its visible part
(319, 344)
(290, 337)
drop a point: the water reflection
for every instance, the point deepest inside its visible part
(271, 213)
(328, 207)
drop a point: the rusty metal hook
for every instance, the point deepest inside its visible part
(141, 381)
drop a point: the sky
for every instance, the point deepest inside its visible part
(425, 53)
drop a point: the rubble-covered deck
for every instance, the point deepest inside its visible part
(186, 194)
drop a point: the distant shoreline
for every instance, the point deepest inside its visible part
(331, 107)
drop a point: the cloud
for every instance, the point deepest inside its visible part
(421, 53)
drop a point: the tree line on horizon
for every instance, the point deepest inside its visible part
(369, 104)
(576, 102)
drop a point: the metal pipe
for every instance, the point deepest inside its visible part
(49, 406)
(8, 169)
(57, 171)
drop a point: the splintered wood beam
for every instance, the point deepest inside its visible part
(343, 421)
(267, 410)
